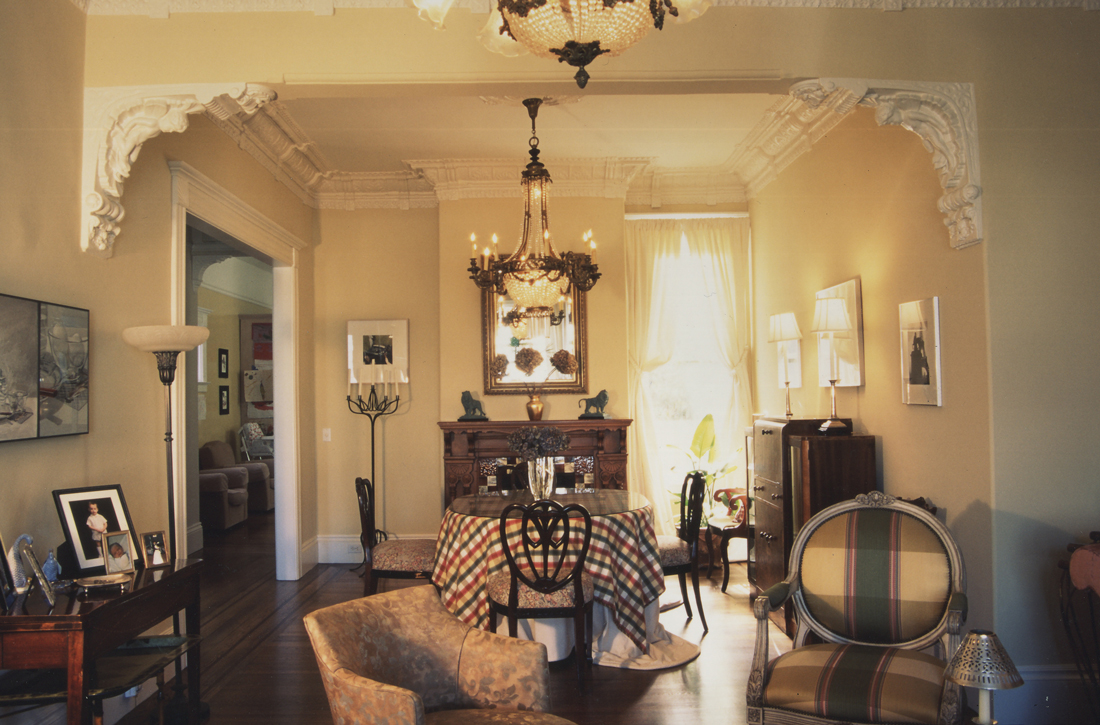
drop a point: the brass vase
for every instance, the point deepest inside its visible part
(534, 407)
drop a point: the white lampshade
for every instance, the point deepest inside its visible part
(433, 11)
(911, 316)
(165, 338)
(783, 327)
(831, 315)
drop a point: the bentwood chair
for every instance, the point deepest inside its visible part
(385, 559)
(733, 524)
(878, 581)
(680, 553)
(546, 577)
(401, 657)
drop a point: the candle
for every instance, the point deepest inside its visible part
(485, 259)
(592, 250)
(473, 240)
(495, 252)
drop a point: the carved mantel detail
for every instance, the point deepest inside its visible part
(942, 114)
(117, 121)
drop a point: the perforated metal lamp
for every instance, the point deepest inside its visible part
(167, 342)
(982, 662)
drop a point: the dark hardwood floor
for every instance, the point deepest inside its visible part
(258, 666)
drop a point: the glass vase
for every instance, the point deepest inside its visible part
(540, 474)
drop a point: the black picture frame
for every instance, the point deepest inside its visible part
(74, 510)
(223, 400)
(223, 362)
(44, 380)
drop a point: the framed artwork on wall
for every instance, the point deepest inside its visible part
(223, 400)
(87, 515)
(378, 354)
(920, 352)
(43, 369)
(223, 363)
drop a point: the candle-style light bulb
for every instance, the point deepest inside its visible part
(592, 247)
(473, 241)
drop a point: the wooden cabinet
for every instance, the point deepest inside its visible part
(796, 473)
(473, 451)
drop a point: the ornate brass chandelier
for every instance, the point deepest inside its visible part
(535, 276)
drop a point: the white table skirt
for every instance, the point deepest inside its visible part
(610, 647)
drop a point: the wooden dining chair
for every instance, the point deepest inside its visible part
(680, 553)
(385, 559)
(734, 524)
(546, 577)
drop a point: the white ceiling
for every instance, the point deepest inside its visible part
(364, 135)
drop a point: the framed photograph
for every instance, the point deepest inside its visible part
(378, 355)
(87, 515)
(223, 363)
(119, 548)
(841, 353)
(223, 400)
(43, 583)
(43, 369)
(153, 551)
(7, 582)
(920, 352)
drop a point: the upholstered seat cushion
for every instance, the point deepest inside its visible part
(499, 583)
(493, 717)
(862, 683)
(404, 555)
(673, 551)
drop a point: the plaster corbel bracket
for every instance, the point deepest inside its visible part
(118, 120)
(943, 115)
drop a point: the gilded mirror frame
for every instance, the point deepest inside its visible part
(578, 383)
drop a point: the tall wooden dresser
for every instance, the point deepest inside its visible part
(796, 473)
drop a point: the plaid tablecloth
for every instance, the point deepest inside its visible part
(622, 560)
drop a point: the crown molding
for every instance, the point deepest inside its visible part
(657, 186)
(455, 179)
(164, 8)
(119, 120)
(941, 114)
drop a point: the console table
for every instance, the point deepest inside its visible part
(82, 627)
(470, 449)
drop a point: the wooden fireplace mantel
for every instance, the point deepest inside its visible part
(465, 443)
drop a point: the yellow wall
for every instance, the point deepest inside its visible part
(225, 332)
(862, 204)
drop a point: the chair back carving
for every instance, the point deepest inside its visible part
(736, 501)
(551, 547)
(692, 494)
(875, 570)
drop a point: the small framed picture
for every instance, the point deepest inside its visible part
(153, 550)
(920, 352)
(223, 363)
(120, 553)
(223, 400)
(43, 583)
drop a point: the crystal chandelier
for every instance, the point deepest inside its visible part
(534, 275)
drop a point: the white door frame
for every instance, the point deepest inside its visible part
(195, 194)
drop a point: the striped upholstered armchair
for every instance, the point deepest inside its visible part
(881, 583)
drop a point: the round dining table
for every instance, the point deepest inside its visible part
(622, 560)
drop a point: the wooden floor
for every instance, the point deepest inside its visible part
(258, 666)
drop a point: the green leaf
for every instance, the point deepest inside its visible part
(703, 441)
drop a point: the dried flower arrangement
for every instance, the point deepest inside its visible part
(531, 442)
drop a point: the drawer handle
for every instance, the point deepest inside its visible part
(767, 432)
(767, 537)
(758, 488)
(776, 495)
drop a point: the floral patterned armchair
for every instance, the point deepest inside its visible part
(401, 657)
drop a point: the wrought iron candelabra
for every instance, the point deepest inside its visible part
(374, 408)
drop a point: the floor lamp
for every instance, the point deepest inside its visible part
(167, 342)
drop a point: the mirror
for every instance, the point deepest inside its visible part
(565, 331)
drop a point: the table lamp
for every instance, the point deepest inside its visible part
(831, 318)
(982, 662)
(783, 329)
(167, 342)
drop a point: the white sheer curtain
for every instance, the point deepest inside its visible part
(723, 245)
(651, 344)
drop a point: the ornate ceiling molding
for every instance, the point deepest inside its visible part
(656, 187)
(455, 179)
(164, 8)
(119, 120)
(942, 114)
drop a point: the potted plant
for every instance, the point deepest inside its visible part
(703, 455)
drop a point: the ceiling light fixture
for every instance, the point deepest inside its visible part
(534, 275)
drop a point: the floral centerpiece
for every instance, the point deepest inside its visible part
(528, 360)
(536, 445)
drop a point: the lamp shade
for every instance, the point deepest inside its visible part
(783, 327)
(831, 315)
(165, 338)
(982, 662)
